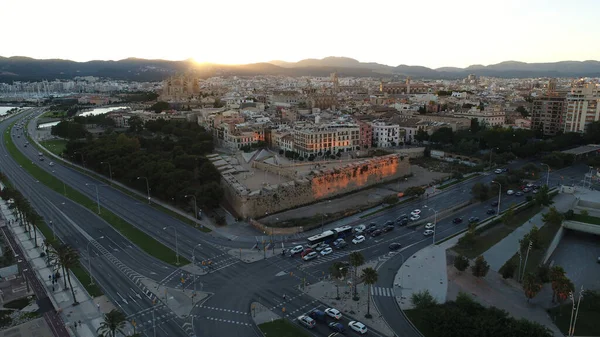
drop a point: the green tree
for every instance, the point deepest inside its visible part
(521, 109)
(159, 107)
(468, 240)
(442, 135)
(370, 278)
(113, 323)
(421, 136)
(461, 263)
(356, 260)
(509, 269)
(507, 216)
(414, 191)
(543, 198)
(480, 191)
(135, 124)
(562, 287)
(338, 270)
(423, 300)
(557, 273)
(480, 268)
(543, 273)
(531, 286)
(553, 216)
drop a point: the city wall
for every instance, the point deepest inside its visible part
(284, 172)
(318, 185)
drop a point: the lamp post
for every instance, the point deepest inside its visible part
(434, 222)
(90, 259)
(547, 173)
(526, 257)
(176, 243)
(147, 187)
(499, 195)
(575, 311)
(195, 204)
(52, 228)
(97, 196)
(109, 170)
(194, 262)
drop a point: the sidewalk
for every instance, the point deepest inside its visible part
(501, 252)
(89, 311)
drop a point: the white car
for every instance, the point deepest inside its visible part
(415, 217)
(498, 171)
(428, 232)
(358, 239)
(333, 313)
(415, 212)
(359, 229)
(530, 185)
(358, 327)
(296, 250)
(429, 225)
(307, 321)
(510, 192)
(327, 251)
(321, 246)
(310, 256)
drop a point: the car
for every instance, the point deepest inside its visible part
(41, 158)
(327, 251)
(371, 225)
(337, 242)
(429, 225)
(415, 212)
(490, 211)
(505, 170)
(415, 217)
(358, 327)
(337, 327)
(25, 145)
(358, 239)
(388, 223)
(321, 246)
(359, 229)
(341, 245)
(394, 246)
(510, 192)
(402, 217)
(307, 321)
(310, 256)
(318, 315)
(498, 171)
(473, 219)
(428, 232)
(457, 220)
(530, 185)
(598, 259)
(403, 222)
(51, 163)
(333, 313)
(526, 190)
(306, 251)
(534, 191)
(296, 250)
(371, 229)
(40, 154)
(494, 204)
(388, 228)
(376, 232)
(519, 193)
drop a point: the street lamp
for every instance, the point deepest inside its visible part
(194, 262)
(176, 243)
(109, 170)
(52, 228)
(547, 174)
(195, 204)
(323, 216)
(435, 221)
(97, 196)
(499, 195)
(147, 187)
(90, 259)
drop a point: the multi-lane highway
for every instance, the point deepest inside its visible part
(118, 264)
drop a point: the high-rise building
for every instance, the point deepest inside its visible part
(582, 106)
(547, 114)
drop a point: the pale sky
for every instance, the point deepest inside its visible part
(430, 33)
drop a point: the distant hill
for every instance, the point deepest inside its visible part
(135, 69)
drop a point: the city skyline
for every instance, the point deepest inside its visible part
(456, 34)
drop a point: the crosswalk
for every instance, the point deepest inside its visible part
(382, 291)
(322, 259)
(147, 318)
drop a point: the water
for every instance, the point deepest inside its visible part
(97, 111)
(4, 109)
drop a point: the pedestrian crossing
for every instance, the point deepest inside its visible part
(322, 259)
(382, 291)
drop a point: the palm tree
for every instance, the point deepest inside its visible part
(71, 260)
(114, 321)
(557, 273)
(531, 286)
(356, 260)
(370, 277)
(338, 270)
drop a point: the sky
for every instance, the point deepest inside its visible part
(430, 33)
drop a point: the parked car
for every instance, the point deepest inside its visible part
(388, 223)
(457, 220)
(321, 246)
(394, 246)
(498, 171)
(415, 212)
(310, 256)
(371, 225)
(318, 315)
(376, 232)
(359, 229)
(526, 190)
(307, 321)
(371, 229)
(534, 191)
(428, 232)
(530, 185)
(415, 217)
(388, 228)
(326, 251)
(296, 250)
(494, 204)
(473, 219)
(358, 327)
(358, 239)
(519, 194)
(341, 244)
(306, 252)
(491, 211)
(429, 225)
(510, 192)
(505, 170)
(403, 222)
(333, 313)
(337, 327)
(402, 217)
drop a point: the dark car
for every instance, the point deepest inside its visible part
(376, 232)
(337, 327)
(473, 219)
(494, 204)
(371, 229)
(519, 193)
(403, 222)
(491, 211)
(371, 225)
(504, 170)
(388, 228)
(388, 223)
(457, 220)
(318, 315)
(395, 246)
(341, 245)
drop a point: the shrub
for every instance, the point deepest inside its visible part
(423, 300)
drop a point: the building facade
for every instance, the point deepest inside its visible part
(547, 114)
(386, 135)
(397, 88)
(366, 135)
(320, 139)
(583, 107)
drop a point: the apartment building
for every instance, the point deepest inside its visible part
(366, 134)
(386, 135)
(494, 117)
(332, 137)
(547, 114)
(582, 107)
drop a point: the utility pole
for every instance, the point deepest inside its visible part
(574, 319)
(526, 257)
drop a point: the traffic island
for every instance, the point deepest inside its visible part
(256, 254)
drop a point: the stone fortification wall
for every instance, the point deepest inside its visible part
(282, 171)
(320, 184)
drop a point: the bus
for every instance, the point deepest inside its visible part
(329, 236)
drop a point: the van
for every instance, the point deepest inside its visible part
(307, 321)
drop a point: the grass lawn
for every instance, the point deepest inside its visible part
(587, 219)
(282, 328)
(495, 233)
(587, 320)
(56, 146)
(54, 114)
(138, 237)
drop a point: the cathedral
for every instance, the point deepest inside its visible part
(180, 88)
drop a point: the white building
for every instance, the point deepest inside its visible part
(385, 135)
(583, 107)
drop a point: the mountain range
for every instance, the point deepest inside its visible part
(28, 69)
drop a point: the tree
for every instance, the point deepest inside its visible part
(480, 268)
(69, 129)
(553, 216)
(521, 109)
(414, 191)
(423, 300)
(509, 269)
(542, 198)
(442, 135)
(338, 270)
(370, 277)
(421, 136)
(461, 263)
(508, 216)
(468, 239)
(67, 258)
(114, 321)
(159, 107)
(480, 191)
(563, 287)
(135, 124)
(556, 274)
(475, 126)
(531, 286)
(543, 274)
(356, 260)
